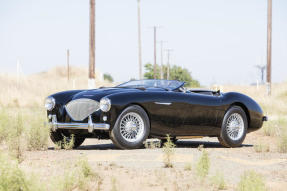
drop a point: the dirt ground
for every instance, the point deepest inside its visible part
(142, 169)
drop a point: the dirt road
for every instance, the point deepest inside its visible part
(142, 169)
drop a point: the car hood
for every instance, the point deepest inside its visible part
(97, 94)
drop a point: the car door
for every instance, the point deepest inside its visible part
(167, 112)
(201, 114)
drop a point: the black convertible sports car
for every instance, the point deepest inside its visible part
(130, 113)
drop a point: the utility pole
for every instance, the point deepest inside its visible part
(161, 58)
(139, 41)
(68, 64)
(269, 46)
(154, 65)
(168, 62)
(261, 69)
(154, 43)
(92, 53)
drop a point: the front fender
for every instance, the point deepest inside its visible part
(254, 110)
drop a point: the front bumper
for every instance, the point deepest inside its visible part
(90, 126)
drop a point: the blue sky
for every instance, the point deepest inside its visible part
(219, 41)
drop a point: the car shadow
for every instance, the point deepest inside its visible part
(109, 146)
(206, 144)
(179, 144)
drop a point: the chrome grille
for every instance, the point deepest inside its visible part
(80, 109)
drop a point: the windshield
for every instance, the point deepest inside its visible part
(165, 84)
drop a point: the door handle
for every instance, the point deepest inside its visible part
(163, 103)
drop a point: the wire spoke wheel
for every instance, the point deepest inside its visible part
(235, 126)
(132, 127)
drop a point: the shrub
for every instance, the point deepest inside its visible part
(68, 142)
(85, 168)
(15, 138)
(273, 128)
(259, 148)
(218, 181)
(282, 145)
(168, 152)
(79, 176)
(108, 78)
(187, 167)
(12, 178)
(114, 186)
(202, 167)
(37, 135)
(269, 129)
(4, 124)
(251, 181)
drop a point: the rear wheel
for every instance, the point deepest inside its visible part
(234, 127)
(59, 137)
(131, 128)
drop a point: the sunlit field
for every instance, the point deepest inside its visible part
(29, 161)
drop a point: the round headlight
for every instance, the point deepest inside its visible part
(105, 104)
(50, 103)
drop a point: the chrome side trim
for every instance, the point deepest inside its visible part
(163, 103)
(90, 126)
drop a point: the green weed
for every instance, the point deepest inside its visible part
(168, 152)
(218, 181)
(251, 181)
(202, 167)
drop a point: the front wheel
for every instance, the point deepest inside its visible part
(131, 128)
(234, 127)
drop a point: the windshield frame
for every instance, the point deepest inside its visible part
(181, 84)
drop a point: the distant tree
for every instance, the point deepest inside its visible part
(108, 78)
(175, 73)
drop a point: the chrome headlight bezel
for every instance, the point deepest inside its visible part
(50, 103)
(105, 104)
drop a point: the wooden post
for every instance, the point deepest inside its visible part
(68, 64)
(168, 63)
(154, 65)
(92, 48)
(139, 42)
(269, 47)
(161, 58)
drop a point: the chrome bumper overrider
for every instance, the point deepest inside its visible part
(90, 126)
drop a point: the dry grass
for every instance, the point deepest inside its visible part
(261, 147)
(30, 91)
(22, 127)
(274, 106)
